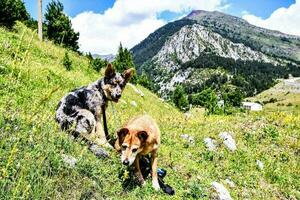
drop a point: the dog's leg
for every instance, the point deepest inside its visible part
(138, 172)
(101, 138)
(155, 183)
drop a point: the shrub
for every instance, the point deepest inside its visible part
(145, 81)
(67, 62)
(179, 98)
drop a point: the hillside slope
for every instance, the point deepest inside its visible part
(32, 149)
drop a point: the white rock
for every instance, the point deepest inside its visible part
(210, 144)
(260, 165)
(187, 115)
(184, 136)
(133, 103)
(229, 182)
(228, 141)
(69, 160)
(190, 139)
(223, 193)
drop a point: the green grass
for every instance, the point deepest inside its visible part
(32, 81)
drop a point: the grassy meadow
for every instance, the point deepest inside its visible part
(32, 81)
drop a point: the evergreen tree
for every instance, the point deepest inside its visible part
(97, 64)
(123, 59)
(11, 11)
(179, 98)
(59, 27)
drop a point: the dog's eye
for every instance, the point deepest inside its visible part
(124, 147)
(134, 150)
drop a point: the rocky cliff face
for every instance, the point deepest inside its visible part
(190, 42)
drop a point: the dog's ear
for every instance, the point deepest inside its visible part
(142, 135)
(121, 136)
(128, 73)
(109, 71)
(122, 133)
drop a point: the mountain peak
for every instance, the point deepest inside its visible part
(195, 13)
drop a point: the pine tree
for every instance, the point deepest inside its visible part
(59, 26)
(11, 11)
(123, 59)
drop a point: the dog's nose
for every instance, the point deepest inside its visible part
(125, 162)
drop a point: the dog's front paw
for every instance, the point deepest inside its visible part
(155, 185)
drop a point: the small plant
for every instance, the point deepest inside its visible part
(195, 191)
(67, 62)
(272, 132)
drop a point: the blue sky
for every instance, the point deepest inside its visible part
(103, 24)
(261, 8)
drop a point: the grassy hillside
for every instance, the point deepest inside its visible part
(32, 80)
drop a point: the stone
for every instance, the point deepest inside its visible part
(259, 164)
(228, 141)
(133, 103)
(223, 193)
(210, 144)
(69, 160)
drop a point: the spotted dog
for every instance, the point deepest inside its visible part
(80, 110)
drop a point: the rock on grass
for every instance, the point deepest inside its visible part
(190, 139)
(228, 141)
(260, 165)
(223, 193)
(210, 144)
(69, 160)
(133, 103)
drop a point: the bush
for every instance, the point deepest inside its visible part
(67, 62)
(11, 11)
(179, 98)
(145, 81)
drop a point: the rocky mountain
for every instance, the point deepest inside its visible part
(108, 57)
(208, 49)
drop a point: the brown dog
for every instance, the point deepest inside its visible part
(140, 136)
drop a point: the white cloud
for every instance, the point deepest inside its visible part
(286, 20)
(129, 22)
